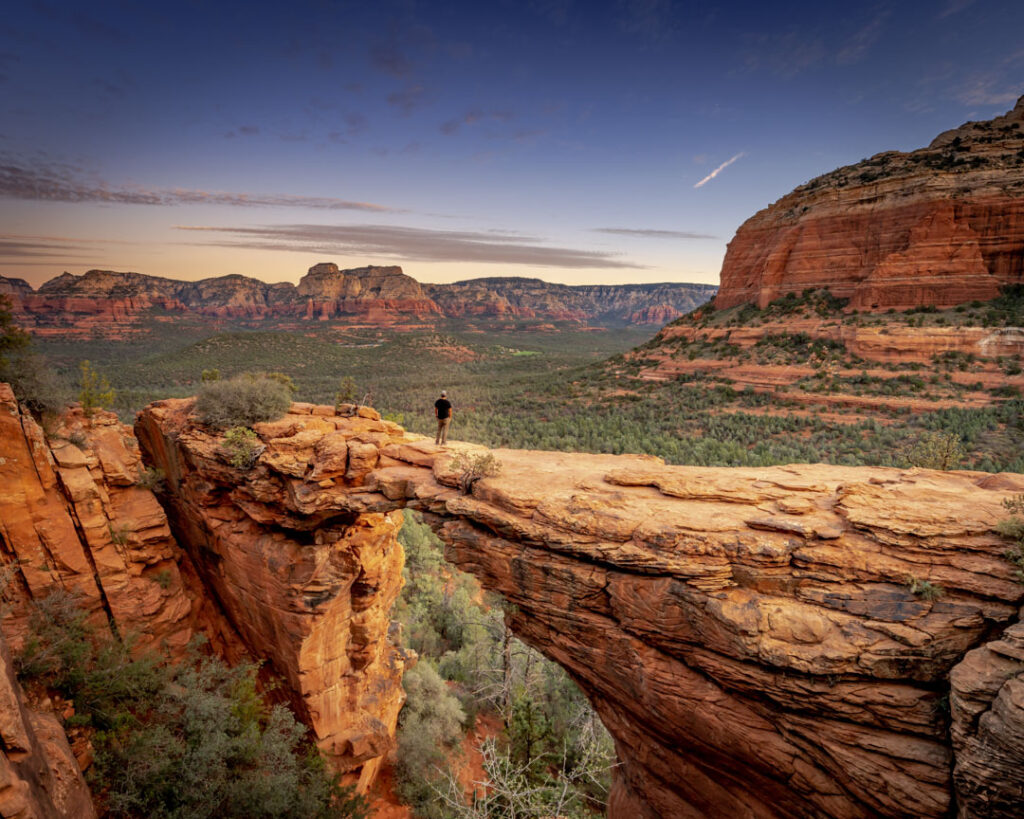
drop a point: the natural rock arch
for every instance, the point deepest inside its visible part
(749, 636)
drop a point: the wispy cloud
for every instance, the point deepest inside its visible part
(412, 244)
(475, 116)
(61, 183)
(987, 90)
(857, 46)
(953, 7)
(785, 54)
(648, 233)
(407, 98)
(719, 169)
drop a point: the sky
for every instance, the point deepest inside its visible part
(575, 141)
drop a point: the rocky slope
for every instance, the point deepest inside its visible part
(761, 642)
(109, 303)
(803, 354)
(941, 225)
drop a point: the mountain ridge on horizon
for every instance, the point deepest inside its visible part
(71, 304)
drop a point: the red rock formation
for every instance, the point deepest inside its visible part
(39, 777)
(72, 516)
(941, 226)
(524, 298)
(309, 589)
(103, 302)
(749, 636)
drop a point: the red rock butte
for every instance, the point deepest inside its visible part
(938, 226)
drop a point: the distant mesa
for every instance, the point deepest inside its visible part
(106, 302)
(938, 226)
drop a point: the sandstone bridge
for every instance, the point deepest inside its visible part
(750, 637)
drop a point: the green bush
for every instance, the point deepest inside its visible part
(430, 730)
(193, 740)
(241, 447)
(12, 337)
(242, 401)
(937, 450)
(925, 589)
(95, 392)
(472, 468)
(36, 384)
(1013, 529)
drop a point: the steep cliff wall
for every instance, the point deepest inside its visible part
(751, 637)
(309, 591)
(941, 225)
(75, 515)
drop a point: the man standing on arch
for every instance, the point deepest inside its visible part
(443, 411)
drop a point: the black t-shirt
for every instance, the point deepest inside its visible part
(443, 407)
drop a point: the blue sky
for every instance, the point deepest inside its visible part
(561, 139)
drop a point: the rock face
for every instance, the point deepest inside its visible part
(309, 590)
(751, 637)
(103, 302)
(39, 777)
(75, 515)
(533, 298)
(938, 226)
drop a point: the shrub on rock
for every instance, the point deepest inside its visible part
(242, 401)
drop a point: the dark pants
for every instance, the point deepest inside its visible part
(442, 430)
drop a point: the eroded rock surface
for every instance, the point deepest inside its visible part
(749, 636)
(39, 777)
(308, 586)
(73, 516)
(940, 226)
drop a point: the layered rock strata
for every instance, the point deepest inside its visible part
(104, 302)
(77, 513)
(74, 516)
(761, 642)
(310, 591)
(523, 298)
(940, 226)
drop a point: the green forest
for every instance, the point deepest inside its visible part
(571, 390)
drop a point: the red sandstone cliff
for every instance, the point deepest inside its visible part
(103, 302)
(749, 636)
(73, 515)
(310, 590)
(941, 225)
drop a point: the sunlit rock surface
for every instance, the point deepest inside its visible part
(749, 636)
(939, 226)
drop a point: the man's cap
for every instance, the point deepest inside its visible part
(444, 393)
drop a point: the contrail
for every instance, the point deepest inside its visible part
(719, 169)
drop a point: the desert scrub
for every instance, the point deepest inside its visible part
(1013, 529)
(95, 391)
(186, 740)
(150, 478)
(937, 450)
(243, 401)
(472, 468)
(241, 447)
(925, 589)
